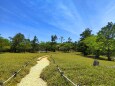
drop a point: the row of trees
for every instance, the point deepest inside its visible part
(18, 43)
(101, 44)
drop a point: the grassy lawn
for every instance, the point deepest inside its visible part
(80, 70)
(11, 62)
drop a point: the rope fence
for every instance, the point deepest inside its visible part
(62, 74)
(27, 63)
(2, 83)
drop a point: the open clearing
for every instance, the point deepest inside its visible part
(33, 78)
(80, 70)
(75, 66)
(11, 62)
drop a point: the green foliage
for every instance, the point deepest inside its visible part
(45, 46)
(53, 42)
(20, 44)
(42, 46)
(91, 42)
(66, 47)
(4, 44)
(93, 45)
(24, 46)
(82, 47)
(27, 45)
(107, 36)
(74, 46)
(53, 38)
(101, 44)
(16, 42)
(34, 44)
(85, 34)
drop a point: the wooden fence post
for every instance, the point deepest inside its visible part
(1, 83)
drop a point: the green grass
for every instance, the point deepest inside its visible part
(80, 70)
(11, 62)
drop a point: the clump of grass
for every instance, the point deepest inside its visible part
(12, 62)
(80, 70)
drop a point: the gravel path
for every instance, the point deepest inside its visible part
(33, 78)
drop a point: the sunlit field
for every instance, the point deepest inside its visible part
(74, 38)
(80, 70)
(12, 62)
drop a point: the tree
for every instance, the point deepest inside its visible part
(61, 39)
(53, 42)
(4, 44)
(66, 47)
(16, 41)
(45, 46)
(69, 40)
(85, 34)
(107, 36)
(74, 45)
(53, 38)
(94, 45)
(25, 45)
(82, 47)
(34, 44)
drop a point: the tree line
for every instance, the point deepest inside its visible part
(103, 43)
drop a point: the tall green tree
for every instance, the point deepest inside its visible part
(35, 44)
(107, 36)
(94, 45)
(53, 38)
(85, 34)
(82, 47)
(16, 41)
(53, 42)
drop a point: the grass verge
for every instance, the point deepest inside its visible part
(11, 62)
(80, 70)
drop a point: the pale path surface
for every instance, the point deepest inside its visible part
(33, 78)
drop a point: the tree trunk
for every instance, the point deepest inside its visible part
(46, 50)
(108, 54)
(97, 54)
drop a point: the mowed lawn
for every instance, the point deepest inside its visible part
(80, 70)
(12, 62)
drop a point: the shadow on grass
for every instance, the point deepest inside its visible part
(100, 58)
(93, 57)
(1, 52)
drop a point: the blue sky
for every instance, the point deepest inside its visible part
(43, 18)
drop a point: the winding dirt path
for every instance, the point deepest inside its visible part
(33, 78)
